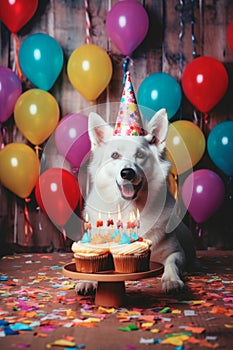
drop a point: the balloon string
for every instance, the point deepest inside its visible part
(194, 52)
(28, 231)
(88, 21)
(181, 34)
(125, 68)
(3, 137)
(17, 45)
(195, 117)
(198, 230)
(64, 234)
(205, 121)
(37, 149)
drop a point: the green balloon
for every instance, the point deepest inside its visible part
(220, 146)
(41, 60)
(159, 90)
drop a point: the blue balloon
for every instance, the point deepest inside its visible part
(159, 90)
(220, 146)
(41, 60)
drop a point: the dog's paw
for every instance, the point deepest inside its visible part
(172, 285)
(86, 287)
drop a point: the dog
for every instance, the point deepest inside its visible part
(131, 172)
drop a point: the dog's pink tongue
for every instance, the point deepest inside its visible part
(128, 191)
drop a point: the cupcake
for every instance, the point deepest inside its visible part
(130, 258)
(90, 258)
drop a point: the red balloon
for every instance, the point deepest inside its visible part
(15, 14)
(230, 36)
(57, 193)
(204, 82)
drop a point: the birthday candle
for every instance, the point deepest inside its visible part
(130, 224)
(99, 222)
(119, 222)
(87, 225)
(132, 220)
(110, 221)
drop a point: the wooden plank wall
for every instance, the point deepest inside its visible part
(164, 49)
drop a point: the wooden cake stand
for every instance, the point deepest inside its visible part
(111, 285)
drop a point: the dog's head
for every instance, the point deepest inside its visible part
(128, 166)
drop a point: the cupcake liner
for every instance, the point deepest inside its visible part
(91, 264)
(131, 263)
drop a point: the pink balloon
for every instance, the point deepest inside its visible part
(10, 90)
(127, 25)
(203, 193)
(72, 139)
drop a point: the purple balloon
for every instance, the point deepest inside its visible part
(203, 193)
(127, 25)
(10, 90)
(72, 139)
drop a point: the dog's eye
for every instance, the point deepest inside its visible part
(115, 155)
(140, 154)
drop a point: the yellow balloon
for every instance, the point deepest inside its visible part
(36, 115)
(185, 145)
(89, 70)
(19, 168)
(173, 185)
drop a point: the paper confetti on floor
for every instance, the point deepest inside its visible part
(39, 309)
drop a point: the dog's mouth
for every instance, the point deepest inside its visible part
(129, 190)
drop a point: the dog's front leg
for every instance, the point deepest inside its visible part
(172, 270)
(85, 287)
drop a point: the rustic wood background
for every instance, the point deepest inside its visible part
(161, 51)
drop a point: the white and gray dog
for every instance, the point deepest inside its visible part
(131, 172)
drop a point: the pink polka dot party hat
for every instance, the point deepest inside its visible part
(128, 121)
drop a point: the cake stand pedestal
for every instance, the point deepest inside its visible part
(111, 285)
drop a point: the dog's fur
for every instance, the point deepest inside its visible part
(131, 172)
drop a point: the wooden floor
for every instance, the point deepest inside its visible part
(39, 309)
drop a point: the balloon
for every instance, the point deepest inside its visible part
(57, 193)
(203, 193)
(230, 35)
(15, 14)
(72, 139)
(36, 115)
(10, 90)
(204, 82)
(159, 90)
(220, 146)
(19, 168)
(127, 25)
(89, 70)
(41, 60)
(185, 145)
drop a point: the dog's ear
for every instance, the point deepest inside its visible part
(99, 131)
(157, 129)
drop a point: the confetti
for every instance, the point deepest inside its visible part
(63, 343)
(129, 328)
(41, 303)
(176, 340)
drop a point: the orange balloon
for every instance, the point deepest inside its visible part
(19, 168)
(89, 70)
(36, 114)
(185, 145)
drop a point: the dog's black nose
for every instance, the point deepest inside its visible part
(128, 174)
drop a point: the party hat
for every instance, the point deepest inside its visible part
(128, 121)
